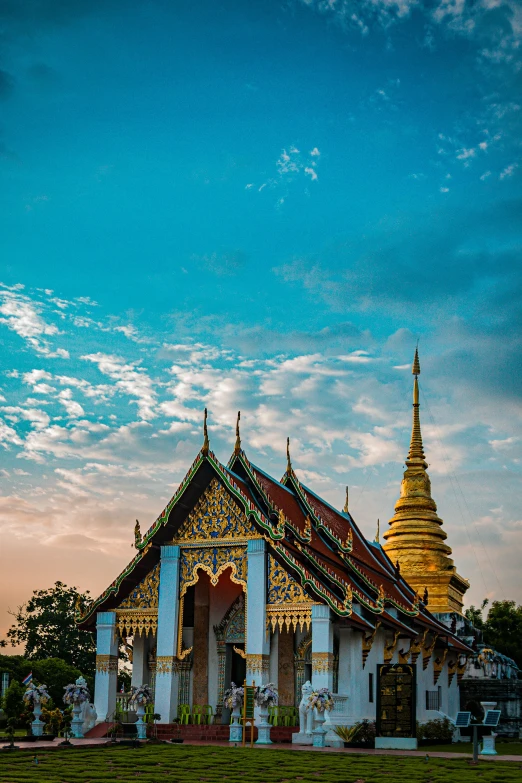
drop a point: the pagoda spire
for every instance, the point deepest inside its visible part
(289, 468)
(206, 444)
(416, 535)
(237, 447)
(416, 453)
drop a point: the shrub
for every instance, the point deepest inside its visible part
(438, 729)
(363, 731)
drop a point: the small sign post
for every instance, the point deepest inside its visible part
(249, 692)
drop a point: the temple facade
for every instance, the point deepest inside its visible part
(245, 577)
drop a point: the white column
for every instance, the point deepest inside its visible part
(140, 670)
(257, 644)
(106, 666)
(322, 647)
(166, 699)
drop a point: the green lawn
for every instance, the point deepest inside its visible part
(506, 748)
(207, 764)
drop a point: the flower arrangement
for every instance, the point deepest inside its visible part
(36, 694)
(266, 695)
(233, 698)
(76, 693)
(321, 700)
(141, 696)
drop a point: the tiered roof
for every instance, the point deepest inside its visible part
(321, 547)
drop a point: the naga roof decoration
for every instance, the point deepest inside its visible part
(322, 549)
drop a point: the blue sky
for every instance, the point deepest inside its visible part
(259, 206)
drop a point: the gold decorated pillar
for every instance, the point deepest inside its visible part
(416, 538)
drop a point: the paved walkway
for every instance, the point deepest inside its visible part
(96, 742)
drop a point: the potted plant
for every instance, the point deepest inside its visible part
(34, 697)
(75, 696)
(233, 700)
(140, 698)
(265, 696)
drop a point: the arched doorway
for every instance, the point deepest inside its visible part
(230, 638)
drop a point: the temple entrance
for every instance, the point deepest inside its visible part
(237, 664)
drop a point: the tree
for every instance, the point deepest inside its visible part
(474, 614)
(503, 629)
(47, 627)
(13, 701)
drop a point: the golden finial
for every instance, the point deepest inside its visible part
(416, 448)
(288, 460)
(416, 364)
(206, 444)
(77, 606)
(137, 534)
(237, 447)
(376, 539)
(345, 507)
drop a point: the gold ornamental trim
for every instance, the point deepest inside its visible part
(215, 515)
(438, 665)
(322, 662)
(257, 664)
(106, 663)
(367, 642)
(136, 621)
(165, 664)
(427, 650)
(289, 615)
(389, 649)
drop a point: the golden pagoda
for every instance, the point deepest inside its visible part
(416, 539)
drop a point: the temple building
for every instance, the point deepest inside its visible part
(243, 576)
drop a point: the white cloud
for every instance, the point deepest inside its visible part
(22, 315)
(508, 171)
(73, 408)
(129, 379)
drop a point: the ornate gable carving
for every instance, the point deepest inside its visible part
(145, 594)
(215, 516)
(282, 587)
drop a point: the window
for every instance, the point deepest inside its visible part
(433, 700)
(370, 686)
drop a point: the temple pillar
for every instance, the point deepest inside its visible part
(285, 674)
(106, 666)
(257, 644)
(322, 647)
(140, 664)
(166, 692)
(200, 665)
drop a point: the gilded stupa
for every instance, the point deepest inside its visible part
(415, 538)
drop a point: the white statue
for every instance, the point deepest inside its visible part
(306, 715)
(88, 715)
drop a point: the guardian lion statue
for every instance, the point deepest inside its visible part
(306, 715)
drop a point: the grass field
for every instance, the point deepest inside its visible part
(509, 748)
(173, 764)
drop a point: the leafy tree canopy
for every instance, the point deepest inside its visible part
(47, 628)
(503, 629)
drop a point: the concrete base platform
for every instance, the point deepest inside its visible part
(395, 743)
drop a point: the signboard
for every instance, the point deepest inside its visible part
(248, 702)
(396, 700)
(249, 692)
